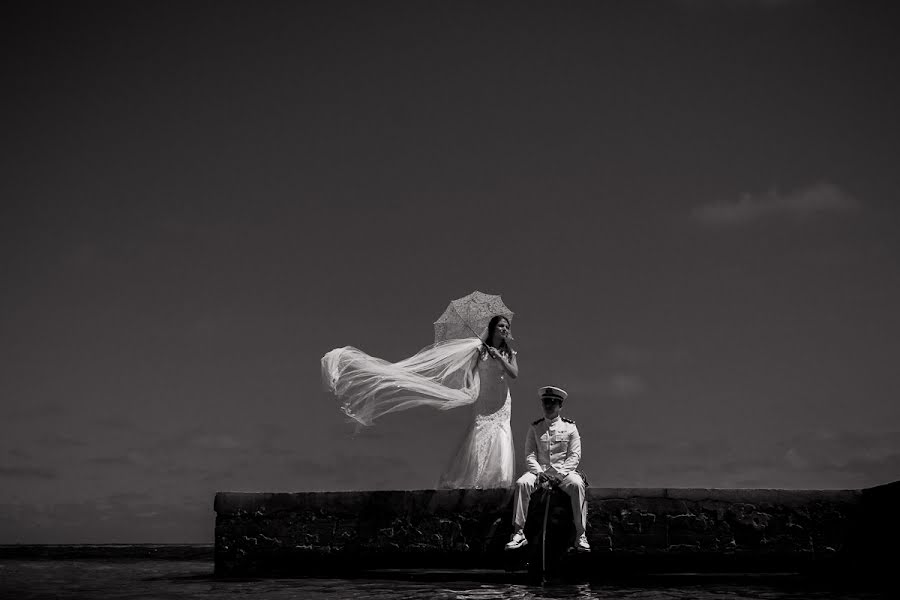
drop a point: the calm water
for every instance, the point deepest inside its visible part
(178, 580)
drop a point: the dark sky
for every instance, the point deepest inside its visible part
(690, 205)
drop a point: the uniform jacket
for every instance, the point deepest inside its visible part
(553, 447)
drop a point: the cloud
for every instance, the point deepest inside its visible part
(871, 458)
(27, 473)
(629, 355)
(41, 411)
(129, 459)
(624, 385)
(813, 460)
(128, 498)
(874, 471)
(61, 440)
(616, 385)
(803, 203)
(734, 4)
(795, 459)
(120, 423)
(107, 520)
(216, 442)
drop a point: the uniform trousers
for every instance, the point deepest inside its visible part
(572, 484)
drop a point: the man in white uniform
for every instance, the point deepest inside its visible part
(552, 454)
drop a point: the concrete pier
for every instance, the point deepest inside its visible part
(630, 530)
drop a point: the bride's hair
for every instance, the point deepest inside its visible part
(492, 325)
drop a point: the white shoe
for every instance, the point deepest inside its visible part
(517, 541)
(581, 544)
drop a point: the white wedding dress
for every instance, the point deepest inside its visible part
(446, 375)
(486, 457)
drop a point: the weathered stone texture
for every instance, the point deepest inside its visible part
(269, 533)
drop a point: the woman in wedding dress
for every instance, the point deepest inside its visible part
(486, 458)
(446, 375)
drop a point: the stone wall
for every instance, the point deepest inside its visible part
(638, 530)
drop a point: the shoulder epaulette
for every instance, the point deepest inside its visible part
(538, 421)
(568, 420)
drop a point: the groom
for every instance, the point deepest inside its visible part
(552, 453)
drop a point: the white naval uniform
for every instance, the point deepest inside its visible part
(552, 447)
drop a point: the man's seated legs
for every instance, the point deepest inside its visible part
(524, 487)
(573, 485)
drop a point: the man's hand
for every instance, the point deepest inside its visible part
(545, 480)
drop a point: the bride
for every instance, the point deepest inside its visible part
(446, 375)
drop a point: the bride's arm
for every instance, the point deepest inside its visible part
(511, 366)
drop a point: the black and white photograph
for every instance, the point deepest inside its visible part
(445, 299)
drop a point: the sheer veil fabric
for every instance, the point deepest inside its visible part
(441, 376)
(445, 375)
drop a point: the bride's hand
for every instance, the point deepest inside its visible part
(493, 352)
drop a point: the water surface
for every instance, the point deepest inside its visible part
(183, 579)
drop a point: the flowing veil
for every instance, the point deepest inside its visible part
(441, 376)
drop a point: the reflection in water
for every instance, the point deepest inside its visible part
(521, 592)
(183, 580)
